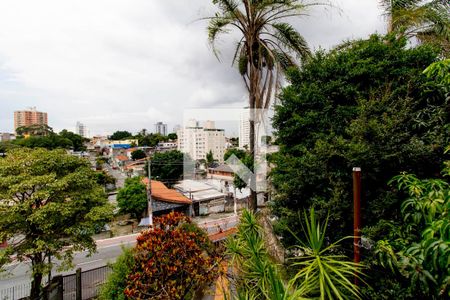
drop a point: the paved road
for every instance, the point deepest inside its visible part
(120, 177)
(107, 251)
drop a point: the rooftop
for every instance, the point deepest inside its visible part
(162, 193)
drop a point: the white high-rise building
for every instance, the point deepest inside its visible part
(244, 129)
(82, 130)
(161, 128)
(198, 141)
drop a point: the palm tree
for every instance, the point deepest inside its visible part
(429, 21)
(267, 47)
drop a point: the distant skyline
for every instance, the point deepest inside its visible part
(120, 65)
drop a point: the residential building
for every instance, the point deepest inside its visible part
(199, 141)
(5, 136)
(206, 199)
(29, 117)
(244, 129)
(165, 200)
(82, 130)
(161, 128)
(176, 128)
(166, 146)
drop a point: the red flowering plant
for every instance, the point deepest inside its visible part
(173, 260)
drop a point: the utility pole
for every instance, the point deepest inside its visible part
(235, 200)
(356, 215)
(149, 195)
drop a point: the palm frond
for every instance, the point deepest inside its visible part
(291, 39)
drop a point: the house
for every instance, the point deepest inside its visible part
(222, 171)
(136, 168)
(166, 200)
(120, 161)
(206, 199)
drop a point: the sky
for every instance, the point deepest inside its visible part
(126, 64)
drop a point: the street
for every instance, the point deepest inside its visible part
(107, 251)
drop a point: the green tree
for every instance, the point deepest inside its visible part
(418, 247)
(104, 178)
(365, 104)
(52, 202)
(239, 153)
(50, 141)
(121, 135)
(210, 159)
(173, 260)
(116, 283)
(35, 130)
(77, 140)
(138, 154)
(265, 50)
(132, 198)
(151, 140)
(172, 136)
(429, 21)
(168, 166)
(368, 105)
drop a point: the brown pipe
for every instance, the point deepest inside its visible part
(357, 216)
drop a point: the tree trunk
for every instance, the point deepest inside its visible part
(36, 286)
(253, 205)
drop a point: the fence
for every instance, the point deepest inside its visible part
(81, 285)
(16, 292)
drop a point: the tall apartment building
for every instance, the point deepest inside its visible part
(29, 117)
(161, 128)
(244, 129)
(82, 130)
(198, 141)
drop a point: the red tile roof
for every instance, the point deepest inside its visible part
(122, 157)
(163, 193)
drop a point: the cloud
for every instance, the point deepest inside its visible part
(116, 64)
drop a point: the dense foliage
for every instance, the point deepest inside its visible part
(318, 272)
(366, 104)
(418, 247)
(138, 154)
(116, 283)
(172, 261)
(168, 166)
(172, 136)
(151, 139)
(121, 135)
(50, 140)
(132, 198)
(52, 202)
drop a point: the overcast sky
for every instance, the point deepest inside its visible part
(126, 64)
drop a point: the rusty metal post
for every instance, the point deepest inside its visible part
(79, 288)
(356, 216)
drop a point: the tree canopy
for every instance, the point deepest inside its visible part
(138, 154)
(168, 166)
(121, 135)
(50, 140)
(50, 205)
(132, 198)
(172, 136)
(365, 104)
